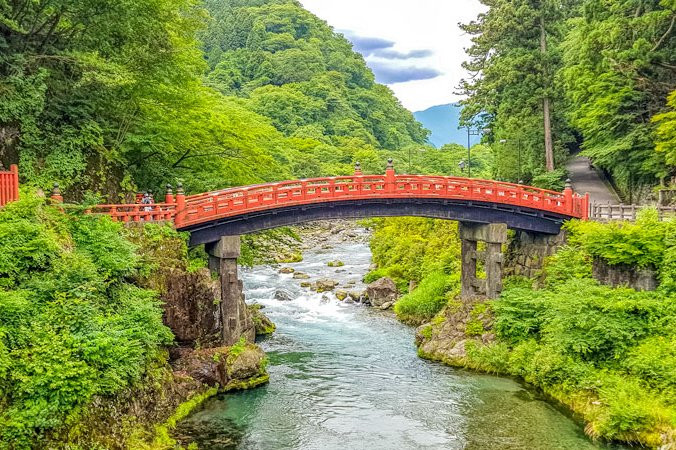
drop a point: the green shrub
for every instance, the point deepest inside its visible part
(566, 264)
(426, 300)
(71, 325)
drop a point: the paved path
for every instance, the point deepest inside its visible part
(588, 180)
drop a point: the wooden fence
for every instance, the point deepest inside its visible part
(605, 212)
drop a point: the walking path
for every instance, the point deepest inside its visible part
(587, 180)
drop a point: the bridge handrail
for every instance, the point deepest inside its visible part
(213, 205)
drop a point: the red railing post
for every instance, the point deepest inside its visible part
(390, 176)
(568, 197)
(14, 169)
(56, 194)
(169, 196)
(585, 207)
(179, 218)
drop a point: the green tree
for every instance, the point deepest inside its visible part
(513, 90)
(619, 69)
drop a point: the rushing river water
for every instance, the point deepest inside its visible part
(344, 376)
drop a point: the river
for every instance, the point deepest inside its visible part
(345, 376)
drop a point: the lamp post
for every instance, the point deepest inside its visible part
(472, 132)
(518, 151)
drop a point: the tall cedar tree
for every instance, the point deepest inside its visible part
(620, 66)
(514, 59)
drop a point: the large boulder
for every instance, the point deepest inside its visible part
(241, 366)
(382, 291)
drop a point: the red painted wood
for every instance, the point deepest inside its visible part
(201, 208)
(9, 185)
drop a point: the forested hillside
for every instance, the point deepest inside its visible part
(555, 76)
(111, 98)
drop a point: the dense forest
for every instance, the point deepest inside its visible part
(553, 77)
(107, 98)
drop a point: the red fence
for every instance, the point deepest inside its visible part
(197, 209)
(9, 185)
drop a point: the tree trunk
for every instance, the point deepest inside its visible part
(546, 104)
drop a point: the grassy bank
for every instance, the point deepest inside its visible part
(609, 354)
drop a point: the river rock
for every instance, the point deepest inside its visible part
(287, 270)
(341, 295)
(301, 276)
(382, 291)
(387, 305)
(263, 325)
(325, 285)
(356, 296)
(241, 366)
(305, 284)
(336, 263)
(325, 299)
(283, 295)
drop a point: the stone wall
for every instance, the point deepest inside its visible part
(526, 252)
(624, 275)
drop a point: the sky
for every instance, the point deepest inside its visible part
(413, 46)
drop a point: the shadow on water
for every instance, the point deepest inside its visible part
(348, 377)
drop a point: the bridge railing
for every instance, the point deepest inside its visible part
(210, 206)
(156, 212)
(9, 185)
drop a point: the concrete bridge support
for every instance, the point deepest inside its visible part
(493, 235)
(235, 317)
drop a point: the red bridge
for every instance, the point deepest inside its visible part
(248, 209)
(485, 209)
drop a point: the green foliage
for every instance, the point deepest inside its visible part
(71, 326)
(666, 130)
(425, 301)
(511, 78)
(609, 353)
(567, 263)
(617, 75)
(410, 248)
(647, 243)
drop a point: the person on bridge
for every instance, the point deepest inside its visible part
(147, 200)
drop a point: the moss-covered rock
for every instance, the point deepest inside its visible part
(230, 368)
(264, 326)
(445, 337)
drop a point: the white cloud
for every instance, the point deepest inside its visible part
(413, 26)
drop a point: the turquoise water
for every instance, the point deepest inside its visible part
(344, 376)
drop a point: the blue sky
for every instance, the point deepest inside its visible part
(413, 46)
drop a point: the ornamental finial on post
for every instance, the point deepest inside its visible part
(569, 184)
(169, 195)
(390, 164)
(357, 168)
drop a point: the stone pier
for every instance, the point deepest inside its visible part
(493, 235)
(235, 317)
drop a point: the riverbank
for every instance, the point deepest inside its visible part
(102, 323)
(606, 353)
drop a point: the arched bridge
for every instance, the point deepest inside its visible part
(485, 209)
(248, 209)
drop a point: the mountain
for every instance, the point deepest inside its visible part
(443, 121)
